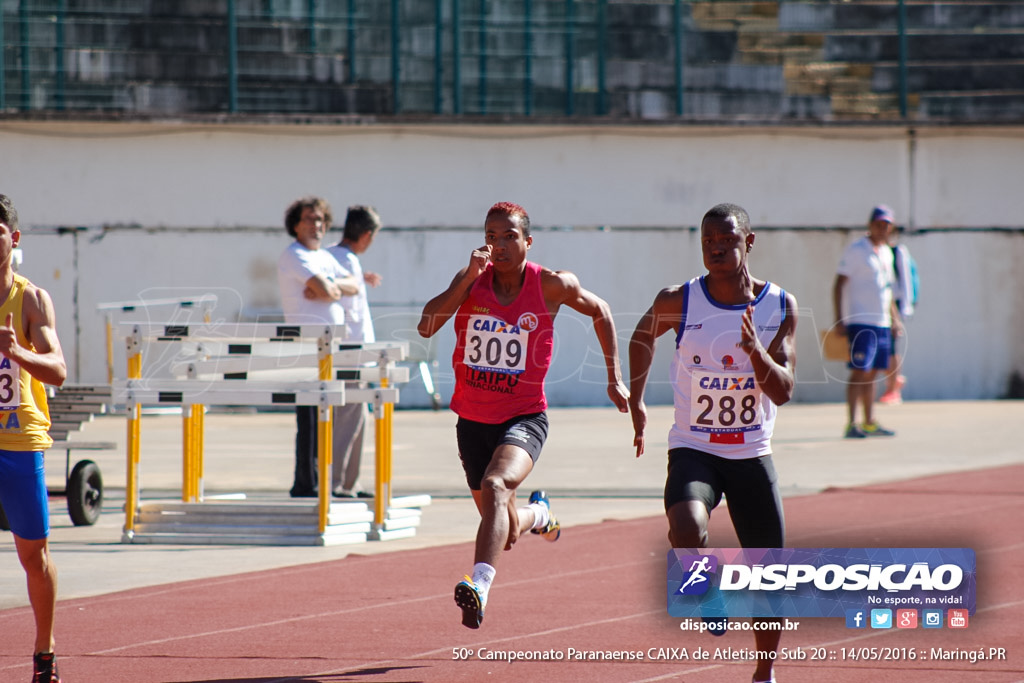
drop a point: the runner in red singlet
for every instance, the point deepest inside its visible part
(504, 309)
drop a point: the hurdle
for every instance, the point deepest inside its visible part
(204, 302)
(202, 376)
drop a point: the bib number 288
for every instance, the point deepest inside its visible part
(725, 412)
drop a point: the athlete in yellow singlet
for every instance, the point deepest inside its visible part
(30, 356)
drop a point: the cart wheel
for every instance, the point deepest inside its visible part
(85, 493)
(4, 524)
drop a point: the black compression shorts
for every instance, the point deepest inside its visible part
(478, 441)
(750, 486)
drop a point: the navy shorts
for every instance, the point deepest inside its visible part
(870, 347)
(478, 441)
(23, 493)
(750, 486)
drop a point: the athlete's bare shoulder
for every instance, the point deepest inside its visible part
(558, 284)
(668, 297)
(549, 273)
(37, 301)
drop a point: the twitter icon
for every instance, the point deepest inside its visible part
(881, 618)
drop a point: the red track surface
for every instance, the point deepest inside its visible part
(391, 617)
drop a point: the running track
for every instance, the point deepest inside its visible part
(390, 617)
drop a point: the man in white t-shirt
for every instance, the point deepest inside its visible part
(312, 283)
(862, 297)
(361, 225)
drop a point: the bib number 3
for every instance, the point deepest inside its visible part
(10, 387)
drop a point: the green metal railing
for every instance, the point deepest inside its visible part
(623, 59)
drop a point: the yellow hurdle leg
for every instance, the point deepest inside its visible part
(325, 449)
(325, 444)
(186, 451)
(132, 483)
(199, 412)
(389, 411)
(379, 504)
(134, 441)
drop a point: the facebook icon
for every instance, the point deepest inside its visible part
(856, 618)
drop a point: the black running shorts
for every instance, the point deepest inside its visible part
(478, 441)
(750, 486)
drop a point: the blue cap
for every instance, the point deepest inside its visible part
(882, 213)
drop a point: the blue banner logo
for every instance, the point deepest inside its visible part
(697, 578)
(820, 582)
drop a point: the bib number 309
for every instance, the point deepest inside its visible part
(495, 346)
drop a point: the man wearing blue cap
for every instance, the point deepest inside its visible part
(862, 297)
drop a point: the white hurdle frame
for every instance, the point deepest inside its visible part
(205, 302)
(230, 385)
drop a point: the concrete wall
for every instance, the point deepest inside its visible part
(175, 209)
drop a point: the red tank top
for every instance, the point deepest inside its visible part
(502, 353)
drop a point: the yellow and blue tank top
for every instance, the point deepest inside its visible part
(24, 415)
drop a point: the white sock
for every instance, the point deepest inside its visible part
(541, 515)
(483, 577)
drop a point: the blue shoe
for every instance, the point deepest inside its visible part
(553, 529)
(875, 429)
(467, 597)
(854, 432)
